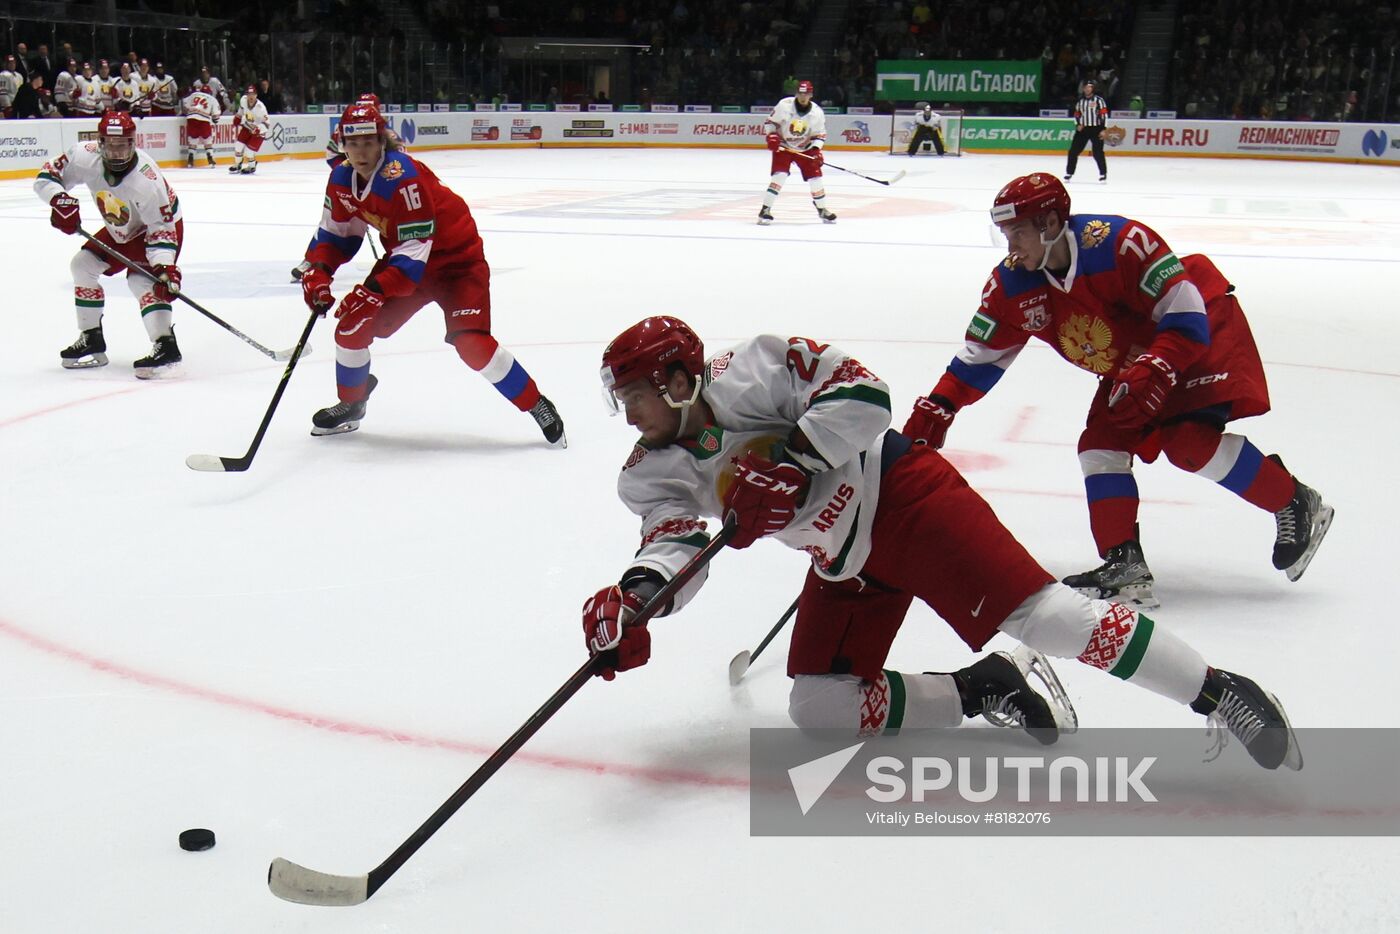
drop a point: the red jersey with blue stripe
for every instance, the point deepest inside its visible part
(1125, 293)
(422, 224)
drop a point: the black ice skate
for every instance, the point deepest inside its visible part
(1103, 178)
(299, 270)
(1123, 577)
(189, 161)
(765, 216)
(1302, 525)
(995, 688)
(1252, 715)
(826, 216)
(249, 168)
(343, 416)
(89, 350)
(235, 168)
(210, 157)
(164, 357)
(547, 417)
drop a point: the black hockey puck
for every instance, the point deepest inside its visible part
(196, 839)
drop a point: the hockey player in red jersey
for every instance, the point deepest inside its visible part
(1175, 359)
(432, 254)
(335, 155)
(792, 438)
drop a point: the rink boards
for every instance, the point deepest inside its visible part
(26, 145)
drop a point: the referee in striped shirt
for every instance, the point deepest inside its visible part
(1090, 114)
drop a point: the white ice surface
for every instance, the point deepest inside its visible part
(308, 658)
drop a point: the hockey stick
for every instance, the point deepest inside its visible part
(295, 883)
(215, 464)
(832, 165)
(740, 663)
(278, 355)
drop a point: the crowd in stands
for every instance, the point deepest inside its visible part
(1286, 60)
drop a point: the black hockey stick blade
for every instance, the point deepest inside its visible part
(295, 883)
(209, 463)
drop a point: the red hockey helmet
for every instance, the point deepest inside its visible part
(116, 140)
(804, 87)
(369, 97)
(361, 119)
(1031, 197)
(647, 350)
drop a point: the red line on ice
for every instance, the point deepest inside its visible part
(351, 728)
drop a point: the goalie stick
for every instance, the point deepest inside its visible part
(295, 883)
(278, 355)
(740, 663)
(211, 463)
(832, 165)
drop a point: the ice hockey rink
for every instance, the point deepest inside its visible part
(310, 657)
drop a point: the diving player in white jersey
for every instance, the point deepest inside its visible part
(790, 439)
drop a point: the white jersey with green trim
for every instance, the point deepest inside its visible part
(758, 392)
(253, 116)
(140, 204)
(798, 130)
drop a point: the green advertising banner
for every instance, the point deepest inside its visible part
(957, 80)
(1016, 134)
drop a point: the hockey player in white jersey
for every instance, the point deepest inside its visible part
(141, 221)
(928, 125)
(126, 90)
(253, 127)
(202, 112)
(796, 134)
(65, 90)
(791, 438)
(102, 90)
(9, 84)
(85, 101)
(165, 93)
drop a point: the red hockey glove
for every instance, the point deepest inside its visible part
(316, 290)
(167, 284)
(356, 309)
(930, 421)
(816, 156)
(63, 213)
(765, 497)
(606, 628)
(1140, 392)
(775, 142)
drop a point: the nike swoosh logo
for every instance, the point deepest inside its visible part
(977, 611)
